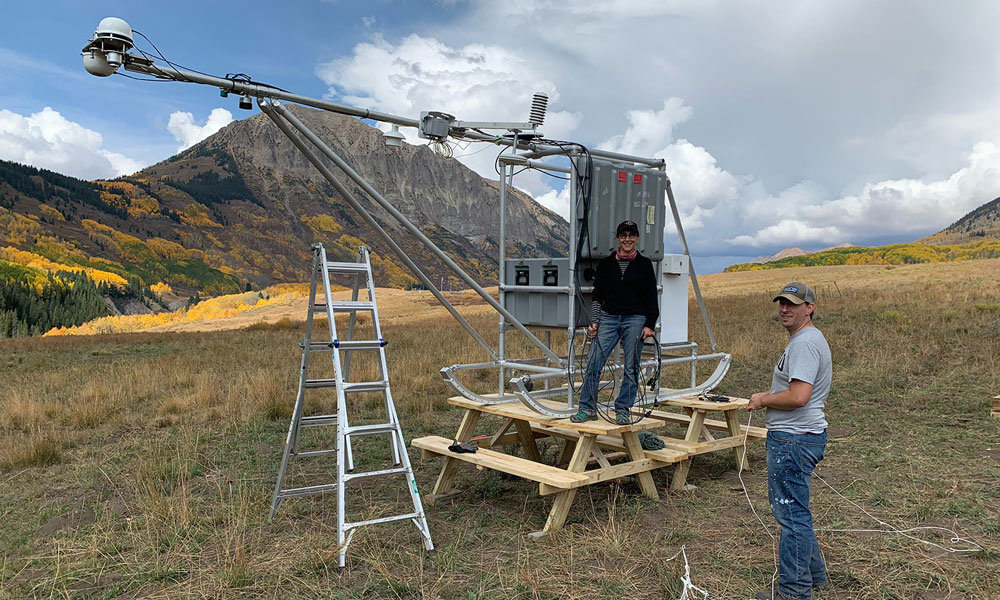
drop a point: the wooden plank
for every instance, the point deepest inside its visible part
(996, 406)
(518, 411)
(499, 461)
(499, 434)
(486, 441)
(735, 430)
(527, 440)
(607, 442)
(447, 476)
(566, 453)
(695, 448)
(612, 472)
(692, 436)
(599, 456)
(635, 452)
(577, 464)
(669, 417)
(693, 402)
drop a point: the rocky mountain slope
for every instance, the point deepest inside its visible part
(980, 223)
(243, 207)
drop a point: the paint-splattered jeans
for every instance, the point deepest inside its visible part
(791, 459)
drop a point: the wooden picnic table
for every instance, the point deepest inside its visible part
(592, 443)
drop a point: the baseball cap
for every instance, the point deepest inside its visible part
(797, 292)
(627, 226)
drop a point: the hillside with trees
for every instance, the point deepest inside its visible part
(974, 236)
(240, 210)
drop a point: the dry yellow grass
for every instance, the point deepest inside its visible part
(141, 465)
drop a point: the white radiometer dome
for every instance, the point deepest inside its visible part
(105, 53)
(113, 27)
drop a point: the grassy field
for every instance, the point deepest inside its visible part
(141, 465)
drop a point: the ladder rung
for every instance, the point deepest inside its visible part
(359, 344)
(393, 471)
(312, 453)
(349, 526)
(307, 491)
(365, 386)
(345, 267)
(318, 346)
(312, 384)
(347, 305)
(371, 429)
(318, 421)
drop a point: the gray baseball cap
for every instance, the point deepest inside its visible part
(797, 292)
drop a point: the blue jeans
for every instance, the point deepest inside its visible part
(611, 330)
(791, 459)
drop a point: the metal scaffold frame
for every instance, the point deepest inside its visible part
(112, 48)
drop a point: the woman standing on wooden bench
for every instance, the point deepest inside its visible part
(624, 309)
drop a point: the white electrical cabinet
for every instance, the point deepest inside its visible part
(674, 270)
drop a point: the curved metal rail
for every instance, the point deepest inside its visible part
(523, 386)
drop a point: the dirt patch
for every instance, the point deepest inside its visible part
(74, 519)
(993, 453)
(841, 431)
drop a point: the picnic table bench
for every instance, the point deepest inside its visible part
(588, 448)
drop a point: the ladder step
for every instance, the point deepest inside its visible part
(318, 421)
(393, 471)
(358, 386)
(312, 453)
(313, 384)
(345, 345)
(349, 526)
(346, 267)
(347, 305)
(366, 386)
(318, 346)
(372, 429)
(359, 344)
(307, 491)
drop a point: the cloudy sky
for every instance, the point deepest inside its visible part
(782, 123)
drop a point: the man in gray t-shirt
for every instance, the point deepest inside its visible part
(796, 441)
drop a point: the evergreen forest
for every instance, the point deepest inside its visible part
(63, 299)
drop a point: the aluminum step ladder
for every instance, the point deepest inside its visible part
(321, 272)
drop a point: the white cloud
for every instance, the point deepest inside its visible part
(48, 140)
(805, 136)
(699, 185)
(788, 232)
(898, 207)
(475, 82)
(557, 202)
(188, 133)
(718, 205)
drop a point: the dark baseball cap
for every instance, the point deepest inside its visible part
(797, 292)
(627, 226)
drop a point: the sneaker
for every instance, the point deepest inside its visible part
(623, 417)
(583, 416)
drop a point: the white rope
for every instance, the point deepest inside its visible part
(686, 579)
(739, 474)
(690, 589)
(955, 538)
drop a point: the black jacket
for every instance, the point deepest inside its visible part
(633, 293)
